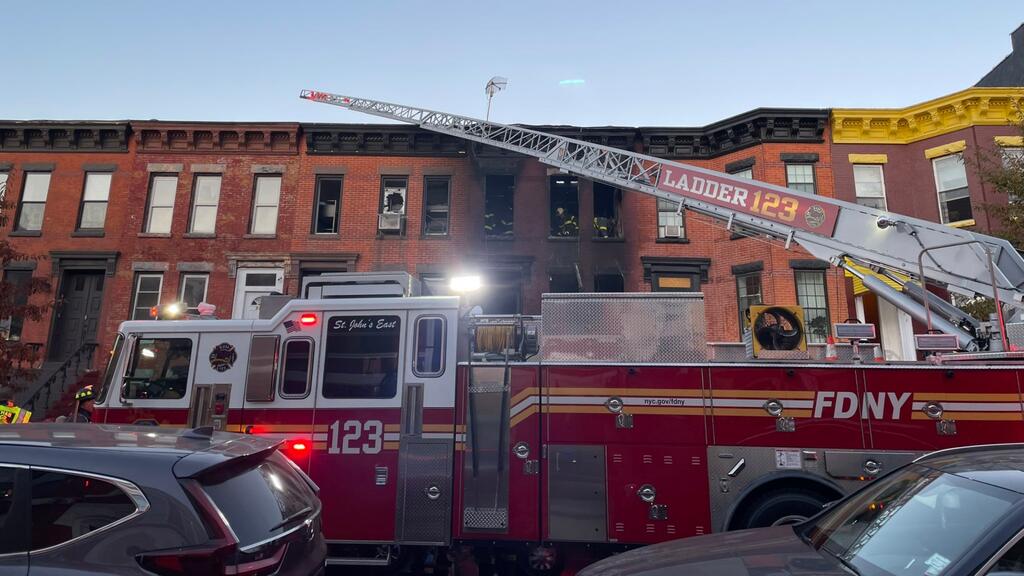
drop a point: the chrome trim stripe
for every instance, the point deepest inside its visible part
(999, 553)
(305, 523)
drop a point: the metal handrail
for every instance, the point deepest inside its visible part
(75, 359)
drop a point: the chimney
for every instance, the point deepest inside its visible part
(1017, 39)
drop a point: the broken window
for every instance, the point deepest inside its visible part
(498, 205)
(391, 218)
(435, 205)
(609, 282)
(607, 208)
(564, 279)
(565, 206)
(328, 205)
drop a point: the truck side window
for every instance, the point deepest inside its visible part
(159, 369)
(361, 357)
(298, 356)
(429, 346)
(259, 381)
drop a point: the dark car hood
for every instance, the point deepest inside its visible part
(761, 552)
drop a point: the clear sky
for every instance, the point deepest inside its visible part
(680, 63)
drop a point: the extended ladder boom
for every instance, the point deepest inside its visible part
(829, 229)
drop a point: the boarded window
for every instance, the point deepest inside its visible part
(361, 357)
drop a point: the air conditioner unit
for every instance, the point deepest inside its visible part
(389, 221)
(673, 231)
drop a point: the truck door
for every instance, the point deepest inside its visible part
(427, 430)
(931, 408)
(218, 370)
(156, 387)
(359, 408)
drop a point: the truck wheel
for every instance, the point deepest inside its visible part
(781, 506)
(540, 560)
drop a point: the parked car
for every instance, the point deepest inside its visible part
(953, 512)
(83, 499)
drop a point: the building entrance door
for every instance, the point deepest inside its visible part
(78, 311)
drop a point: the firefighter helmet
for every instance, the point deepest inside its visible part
(85, 394)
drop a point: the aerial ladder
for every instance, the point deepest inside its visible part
(842, 233)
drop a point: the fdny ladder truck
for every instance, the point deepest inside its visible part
(601, 423)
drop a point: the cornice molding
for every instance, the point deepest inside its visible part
(379, 140)
(46, 136)
(172, 137)
(971, 107)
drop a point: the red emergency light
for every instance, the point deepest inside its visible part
(299, 446)
(307, 319)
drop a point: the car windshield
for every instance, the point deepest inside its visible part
(916, 522)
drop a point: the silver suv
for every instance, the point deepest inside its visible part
(91, 499)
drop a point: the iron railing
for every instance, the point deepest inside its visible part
(56, 383)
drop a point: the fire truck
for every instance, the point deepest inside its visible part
(607, 421)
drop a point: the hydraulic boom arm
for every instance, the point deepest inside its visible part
(829, 229)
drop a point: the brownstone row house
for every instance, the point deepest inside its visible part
(128, 215)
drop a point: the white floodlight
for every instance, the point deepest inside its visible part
(494, 85)
(464, 284)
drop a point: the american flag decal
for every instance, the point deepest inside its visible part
(290, 326)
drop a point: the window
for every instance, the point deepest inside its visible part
(800, 177)
(564, 279)
(3, 186)
(1011, 562)
(430, 334)
(811, 295)
(609, 282)
(262, 502)
(607, 206)
(18, 284)
(13, 536)
(205, 198)
(298, 364)
(747, 173)
(193, 291)
(147, 295)
(670, 220)
(498, 205)
(265, 203)
(361, 357)
(161, 204)
(869, 185)
(67, 506)
(94, 201)
(434, 285)
(435, 205)
(565, 206)
(951, 182)
(748, 293)
(159, 369)
(391, 215)
(327, 211)
(33, 201)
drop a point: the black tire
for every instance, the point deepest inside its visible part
(781, 506)
(550, 558)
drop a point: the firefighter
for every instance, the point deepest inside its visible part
(9, 412)
(567, 225)
(84, 401)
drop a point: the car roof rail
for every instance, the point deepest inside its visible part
(967, 449)
(200, 433)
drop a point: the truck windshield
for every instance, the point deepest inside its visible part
(913, 523)
(108, 374)
(159, 369)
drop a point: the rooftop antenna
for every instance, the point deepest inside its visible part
(494, 85)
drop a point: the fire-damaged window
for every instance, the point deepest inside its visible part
(391, 217)
(565, 206)
(361, 357)
(564, 279)
(159, 369)
(498, 205)
(607, 210)
(435, 205)
(328, 205)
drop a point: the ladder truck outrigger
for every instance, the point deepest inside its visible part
(603, 423)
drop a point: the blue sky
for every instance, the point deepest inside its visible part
(678, 63)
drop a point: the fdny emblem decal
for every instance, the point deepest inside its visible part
(223, 357)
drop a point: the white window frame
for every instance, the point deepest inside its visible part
(138, 284)
(22, 201)
(256, 206)
(939, 191)
(87, 201)
(150, 206)
(196, 205)
(184, 280)
(814, 177)
(881, 178)
(443, 345)
(661, 227)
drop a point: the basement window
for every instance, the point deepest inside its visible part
(565, 206)
(607, 210)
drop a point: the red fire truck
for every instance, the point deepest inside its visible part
(607, 421)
